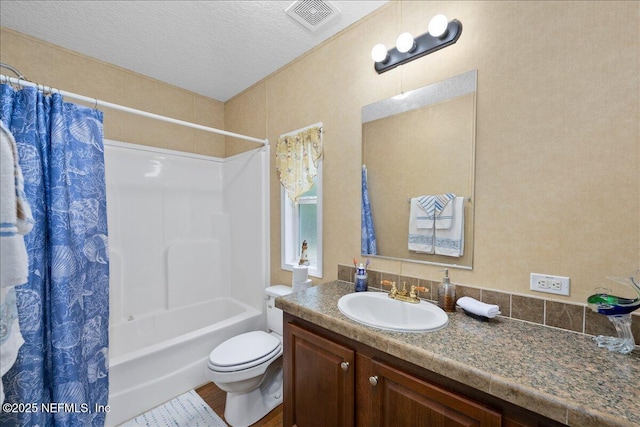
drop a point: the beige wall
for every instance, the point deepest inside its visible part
(558, 137)
(57, 67)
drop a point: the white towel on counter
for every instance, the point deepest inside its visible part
(474, 306)
(420, 239)
(450, 242)
(15, 215)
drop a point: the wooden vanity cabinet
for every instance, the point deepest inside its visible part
(334, 381)
(324, 378)
(399, 399)
(319, 386)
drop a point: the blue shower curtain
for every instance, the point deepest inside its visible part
(61, 374)
(368, 236)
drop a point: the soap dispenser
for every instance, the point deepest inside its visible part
(447, 294)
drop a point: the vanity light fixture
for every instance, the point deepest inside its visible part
(379, 53)
(441, 33)
(405, 43)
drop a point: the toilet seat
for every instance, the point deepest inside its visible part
(244, 351)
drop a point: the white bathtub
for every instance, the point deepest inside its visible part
(154, 358)
(188, 264)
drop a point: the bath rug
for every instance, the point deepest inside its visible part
(185, 410)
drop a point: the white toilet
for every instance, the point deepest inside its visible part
(249, 367)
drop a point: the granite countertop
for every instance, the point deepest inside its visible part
(556, 373)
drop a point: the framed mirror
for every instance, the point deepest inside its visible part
(421, 143)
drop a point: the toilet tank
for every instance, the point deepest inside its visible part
(274, 315)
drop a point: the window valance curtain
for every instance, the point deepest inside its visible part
(297, 158)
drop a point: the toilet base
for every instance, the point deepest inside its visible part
(244, 409)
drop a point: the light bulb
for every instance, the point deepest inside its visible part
(379, 53)
(405, 43)
(438, 25)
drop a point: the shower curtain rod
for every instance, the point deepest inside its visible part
(98, 103)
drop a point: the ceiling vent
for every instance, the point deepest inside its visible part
(313, 14)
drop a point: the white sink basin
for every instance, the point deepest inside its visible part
(377, 310)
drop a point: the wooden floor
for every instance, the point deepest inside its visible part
(215, 398)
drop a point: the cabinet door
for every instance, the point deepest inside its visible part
(398, 399)
(319, 380)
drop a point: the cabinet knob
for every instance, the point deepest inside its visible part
(373, 380)
(344, 366)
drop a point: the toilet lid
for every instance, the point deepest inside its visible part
(244, 351)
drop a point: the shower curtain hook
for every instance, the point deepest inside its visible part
(42, 88)
(18, 86)
(95, 103)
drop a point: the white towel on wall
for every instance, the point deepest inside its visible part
(425, 222)
(15, 215)
(10, 337)
(438, 209)
(450, 242)
(15, 220)
(420, 239)
(444, 220)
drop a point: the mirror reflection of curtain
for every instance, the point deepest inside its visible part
(369, 244)
(297, 158)
(63, 309)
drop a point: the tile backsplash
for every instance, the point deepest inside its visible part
(570, 316)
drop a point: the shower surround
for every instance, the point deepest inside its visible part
(188, 247)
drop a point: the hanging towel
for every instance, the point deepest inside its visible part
(369, 244)
(15, 221)
(15, 215)
(10, 337)
(444, 220)
(420, 239)
(450, 242)
(438, 209)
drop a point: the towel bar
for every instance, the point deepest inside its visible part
(467, 198)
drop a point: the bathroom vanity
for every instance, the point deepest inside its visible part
(336, 382)
(498, 373)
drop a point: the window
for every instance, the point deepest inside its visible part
(302, 221)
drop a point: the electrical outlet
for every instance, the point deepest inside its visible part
(555, 284)
(542, 283)
(558, 285)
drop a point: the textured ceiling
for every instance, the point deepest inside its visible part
(214, 48)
